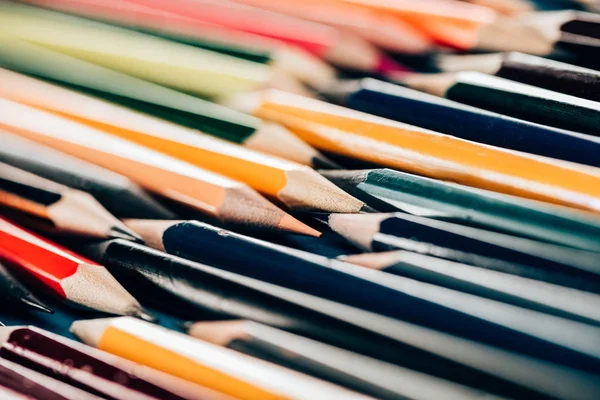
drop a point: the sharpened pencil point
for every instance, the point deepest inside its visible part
(37, 305)
(293, 225)
(322, 162)
(143, 315)
(117, 232)
(387, 67)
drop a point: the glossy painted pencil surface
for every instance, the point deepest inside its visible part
(16, 295)
(182, 28)
(148, 57)
(354, 371)
(64, 209)
(115, 192)
(201, 362)
(34, 385)
(388, 190)
(337, 47)
(284, 180)
(248, 131)
(361, 288)
(442, 115)
(209, 193)
(528, 293)
(532, 70)
(68, 275)
(183, 286)
(406, 147)
(380, 232)
(78, 365)
(513, 99)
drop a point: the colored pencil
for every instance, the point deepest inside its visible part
(505, 7)
(513, 99)
(528, 293)
(575, 22)
(286, 181)
(58, 207)
(284, 59)
(532, 70)
(17, 295)
(9, 394)
(115, 192)
(344, 368)
(68, 275)
(250, 132)
(34, 385)
(201, 362)
(182, 286)
(432, 112)
(86, 368)
(211, 194)
(405, 147)
(383, 294)
(162, 61)
(336, 47)
(381, 232)
(389, 34)
(390, 191)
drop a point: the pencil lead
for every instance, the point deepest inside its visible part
(322, 162)
(185, 325)
(390, 68)
(37, 305)
(117, 232)
(143, 315)
(291, 224)
(368, 209)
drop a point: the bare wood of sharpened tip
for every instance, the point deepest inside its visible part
(71, 277)
(69, 211)
(118, 194)
(219, 121)
(528, 293)
(204, 191)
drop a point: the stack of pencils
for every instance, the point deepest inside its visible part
(300, 199)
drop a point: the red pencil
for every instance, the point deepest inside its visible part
(339, 48)
(68, 275)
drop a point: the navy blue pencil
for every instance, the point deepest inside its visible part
(467, 122)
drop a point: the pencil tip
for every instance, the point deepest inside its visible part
(37, 305)
(322, 162)
(144, 315)
(291, 224)
(185, 325)
(117, 232)
(387, 67)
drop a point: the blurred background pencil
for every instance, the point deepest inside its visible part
(17, 295)
(69, 276)
(115, 192)
(58, 207)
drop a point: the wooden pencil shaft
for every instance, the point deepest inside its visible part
(362, 286)
(470, 123)
(461, 204)
(280, 308)
(527, 102)
(71, 363)
(180, 66)
(117, 193)
(500, 246)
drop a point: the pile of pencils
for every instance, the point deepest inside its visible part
(299, 199)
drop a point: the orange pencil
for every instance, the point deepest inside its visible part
(203, 363)
(211, 194)
(405, 147)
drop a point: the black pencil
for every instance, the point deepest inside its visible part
(575, 22)
(513, 99)
(460, 120)
(192, 289)
(360, 373)
(58, 207)
(532, 70)
(13, 293)
(382, 232)
(388, 191)
(528, 293)
(350, 285)
(115, 192)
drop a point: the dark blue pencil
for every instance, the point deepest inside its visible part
(464, 121)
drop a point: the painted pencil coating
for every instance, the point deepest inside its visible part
(201, 362)
(77, 365)
(173, 64)
(442, 115)
(405, 147)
